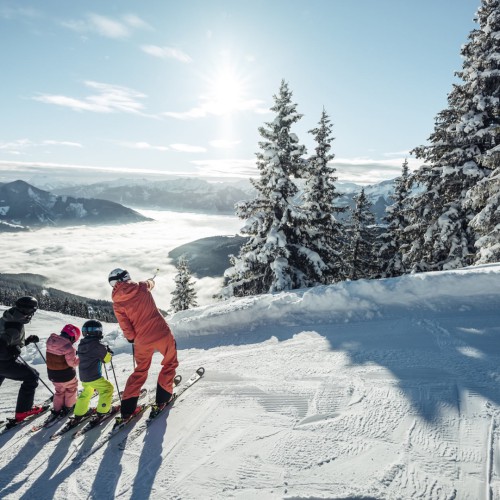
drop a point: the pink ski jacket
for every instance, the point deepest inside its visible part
(61, 359)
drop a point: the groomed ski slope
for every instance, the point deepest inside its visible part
(385, 389)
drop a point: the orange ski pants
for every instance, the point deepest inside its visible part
(143, 357)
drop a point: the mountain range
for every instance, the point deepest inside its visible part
(198, 195)
(23, 205)
(183, 195)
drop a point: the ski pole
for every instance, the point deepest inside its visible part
(37, 376)
(116, 381)
(45, 361)
(133, 355)
(156, 272)
(105, 371)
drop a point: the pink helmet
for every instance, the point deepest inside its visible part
(72, 331)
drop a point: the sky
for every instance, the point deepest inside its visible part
(181, 88)
(369, 389)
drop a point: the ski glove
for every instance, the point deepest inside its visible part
(130, 341)
(109, 349)
(31, 339)
(15, 351)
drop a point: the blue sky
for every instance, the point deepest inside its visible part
(181, 87)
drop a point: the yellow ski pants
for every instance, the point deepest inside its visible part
(103, 387)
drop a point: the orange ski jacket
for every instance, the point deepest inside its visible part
(136, 312)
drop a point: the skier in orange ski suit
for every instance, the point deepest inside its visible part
(144, 326)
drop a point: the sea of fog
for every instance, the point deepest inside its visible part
(78, 259)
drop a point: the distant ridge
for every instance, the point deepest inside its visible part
(199, 196)
(13, 286)
(23, 205)
(209, 256)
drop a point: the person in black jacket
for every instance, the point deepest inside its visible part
(93, 354)
(12, 339)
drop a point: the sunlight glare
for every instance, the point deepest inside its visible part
(226, 92)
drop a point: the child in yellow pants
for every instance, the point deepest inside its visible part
(93, 354)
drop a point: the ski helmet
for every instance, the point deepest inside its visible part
(117, 275)
(92, 328)
(27, 305)
(73, 332)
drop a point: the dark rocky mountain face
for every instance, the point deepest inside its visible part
(24, 205)
(209, 256)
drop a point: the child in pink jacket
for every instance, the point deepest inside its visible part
(61, 363)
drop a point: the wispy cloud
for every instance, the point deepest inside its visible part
(7, 12)
(8, 167)
(223, 143)
(398, 153)
(213, 107)
(108, 27)
(143, 146)
(227, 168)
(62, 143)
(135, 21)
(362, 171)
(368, 171)
(75, 173)
(108, 99)
(187, 148)
(20, 145)
(166, 53)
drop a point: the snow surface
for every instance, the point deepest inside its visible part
(383, 389)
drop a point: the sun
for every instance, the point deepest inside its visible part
(226, 92)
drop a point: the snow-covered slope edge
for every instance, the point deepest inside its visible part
(364, 300)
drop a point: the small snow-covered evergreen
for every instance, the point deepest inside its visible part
(458, 155)
(393, 241)
(184, 295)
(486, 195)
(361, 260)
(324, 234)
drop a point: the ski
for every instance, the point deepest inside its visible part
(55, 418)
(98, 419)
(51, 420)
(155, 410)
(72, 422)
(118, 426)
(12, 423)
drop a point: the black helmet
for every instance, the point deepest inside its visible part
(92, 328)
(27, 305)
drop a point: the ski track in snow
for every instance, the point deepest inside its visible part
(388, 408)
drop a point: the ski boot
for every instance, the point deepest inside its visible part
(20, 416)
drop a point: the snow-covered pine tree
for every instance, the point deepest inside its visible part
(323, 234)
(269, 261)
(393, 241)
(485, 195)
(361, 261)
(458, 154)
(184, 295)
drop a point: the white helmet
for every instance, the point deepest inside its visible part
(117, 275)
